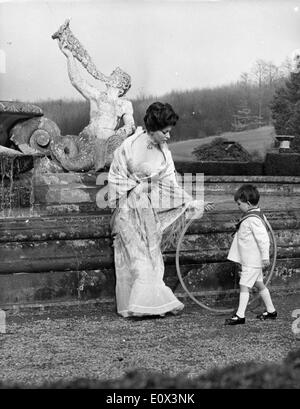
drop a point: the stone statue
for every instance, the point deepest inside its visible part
(111, 115)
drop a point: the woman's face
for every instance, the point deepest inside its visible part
(162, 136)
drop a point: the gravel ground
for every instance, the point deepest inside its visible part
(91, 341)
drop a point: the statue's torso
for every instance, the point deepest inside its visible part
(106, 113)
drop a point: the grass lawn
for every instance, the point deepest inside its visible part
(254, 140)
(93, 342)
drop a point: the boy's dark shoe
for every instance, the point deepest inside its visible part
(267, 315)
(235, 320)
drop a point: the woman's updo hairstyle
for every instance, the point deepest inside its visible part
(159, 116)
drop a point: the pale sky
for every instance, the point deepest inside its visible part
(164, 45)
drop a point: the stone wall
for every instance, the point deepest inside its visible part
(65, 253)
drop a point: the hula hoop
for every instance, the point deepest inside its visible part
(220, 310)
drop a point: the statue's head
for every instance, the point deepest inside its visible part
(295, 59)
(119, 79)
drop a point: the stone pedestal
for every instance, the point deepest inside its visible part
(58, 193)
(284, 141)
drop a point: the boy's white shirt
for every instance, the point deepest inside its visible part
(251, 243)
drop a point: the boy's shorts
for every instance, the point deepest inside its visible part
(249, 276)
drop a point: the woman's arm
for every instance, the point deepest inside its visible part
(194, 205)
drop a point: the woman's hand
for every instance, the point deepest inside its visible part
(195, 205)
(155, 178)
(195, 209)
(143, 186)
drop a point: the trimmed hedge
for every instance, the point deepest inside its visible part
(249, 375)
(275, 164)
(221, 168)
(282, 164)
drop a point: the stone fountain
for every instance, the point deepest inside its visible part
(49, 218)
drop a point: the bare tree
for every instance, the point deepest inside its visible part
(285, 68)
(260, 74)
(272, 74)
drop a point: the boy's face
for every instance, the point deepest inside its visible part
(243, 206)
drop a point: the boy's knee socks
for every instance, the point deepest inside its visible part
(266, 297)
(244, 298)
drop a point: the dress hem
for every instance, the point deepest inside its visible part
(136, 310)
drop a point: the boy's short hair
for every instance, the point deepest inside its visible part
(247, 193)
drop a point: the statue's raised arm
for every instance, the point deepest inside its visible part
(67, 39)
(71, 47)
(88, 91)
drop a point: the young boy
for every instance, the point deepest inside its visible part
(250, 248)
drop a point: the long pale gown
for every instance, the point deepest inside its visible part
(138, 224)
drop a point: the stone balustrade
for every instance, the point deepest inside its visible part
(65, 252)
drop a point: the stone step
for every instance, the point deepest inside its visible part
(78, 286)
(81, 254)
(97, 225)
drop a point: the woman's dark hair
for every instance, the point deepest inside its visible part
(159, 116)
(247, 193)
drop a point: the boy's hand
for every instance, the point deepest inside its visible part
(265, 263)
(238, 268)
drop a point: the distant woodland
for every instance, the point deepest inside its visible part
(204, 112)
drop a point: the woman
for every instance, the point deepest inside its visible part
(142, 186)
